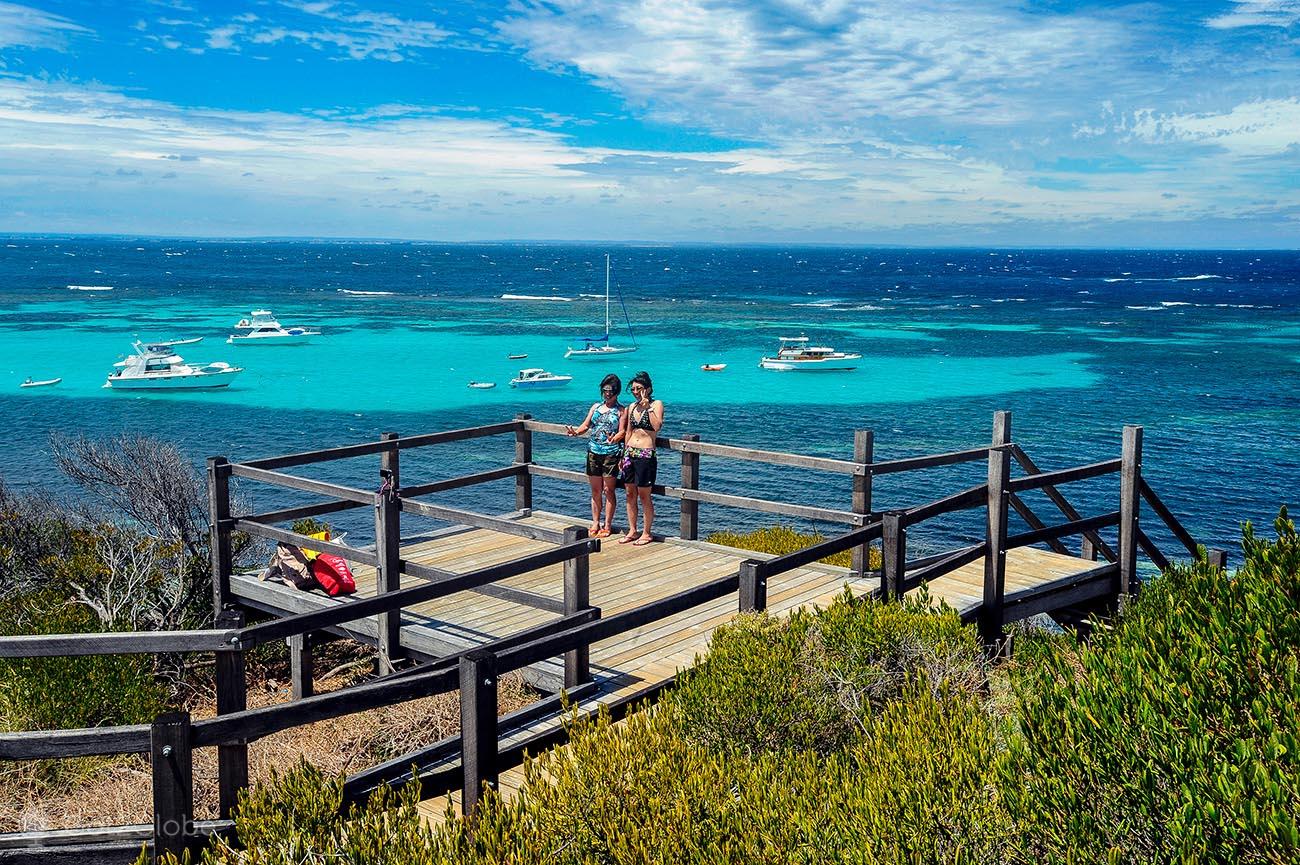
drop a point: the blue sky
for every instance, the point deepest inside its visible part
(842, 121)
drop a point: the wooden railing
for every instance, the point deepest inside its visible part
(474, 672)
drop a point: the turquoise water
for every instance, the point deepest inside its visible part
(1200, 348)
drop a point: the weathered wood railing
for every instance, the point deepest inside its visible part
(474, 672)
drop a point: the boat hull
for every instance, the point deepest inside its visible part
(596, 353)
(289, 339)
(544, 384)
(822, 365)
(46, 383)
(192, 381)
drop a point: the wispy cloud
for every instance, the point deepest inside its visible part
(32, 28)
(739, 66)
(341, 30)
(1258, 13)
(1265, 127)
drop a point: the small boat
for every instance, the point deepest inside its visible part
(596, 347)
(536, 379)
(796, 354)
(45, 383)
(191, 341)
(155, 367)
(516, 356)
(263, 329)
(482, 385)
(713, 367)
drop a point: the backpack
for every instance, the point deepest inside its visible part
(289, 565)
(333, 574)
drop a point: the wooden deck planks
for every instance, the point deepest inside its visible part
(622, 577)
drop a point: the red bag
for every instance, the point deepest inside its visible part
(333, 574)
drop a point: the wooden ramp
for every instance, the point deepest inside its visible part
(622, 576)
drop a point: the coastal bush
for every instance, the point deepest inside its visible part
(1176, 735)
(916, 788)
(779, 540)
(296, 819)
(810, 681)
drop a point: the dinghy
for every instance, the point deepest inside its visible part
(45, 383)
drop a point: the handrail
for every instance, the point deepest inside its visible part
(284, 536)
(366, 448)
(307, 485)
(1162, 510)
(481, 521)
(1064, 476)
(114, 643)
(945, 565)
(780, 458)
(86, 742)
(1074, 527)
(820, 550)
(929, 461)
(964, 500)
(302, 623)
(1062, 504)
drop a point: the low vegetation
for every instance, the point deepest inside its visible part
(875, 733)
(779, 540)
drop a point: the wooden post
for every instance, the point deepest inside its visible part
(690, 524)
(1217, 559)
(222, 560)
(173, 784)
(577, 596)
(863, 449)
(478, 725)
(1129, 502)
(302, 667)
(523, 457)
(1001, 428)
(893, 551)
(388, 547)
(753, 586)
(232, 696)
(1088, 550)
(995, 539)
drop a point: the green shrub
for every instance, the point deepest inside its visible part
(808, 682)
(55, 693)
(917, 788)
(296, 819)
(779, 540)
(1173, 737)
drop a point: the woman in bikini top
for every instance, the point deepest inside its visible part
(644, 420)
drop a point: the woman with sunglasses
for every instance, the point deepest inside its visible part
(640, 426)
(604, 426)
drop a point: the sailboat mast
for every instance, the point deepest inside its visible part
(607, 298)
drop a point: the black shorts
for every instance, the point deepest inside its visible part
(602, 465)
(644, 470)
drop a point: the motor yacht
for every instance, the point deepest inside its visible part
(796, 354)
(264, 329)
(536, 379)
(155, 367)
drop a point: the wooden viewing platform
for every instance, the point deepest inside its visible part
(608, 624)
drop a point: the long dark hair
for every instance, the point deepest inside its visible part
(643, 378)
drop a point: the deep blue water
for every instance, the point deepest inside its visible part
(1201, 348)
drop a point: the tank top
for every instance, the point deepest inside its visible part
(604, 426)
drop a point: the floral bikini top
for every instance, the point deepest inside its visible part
(604, 426)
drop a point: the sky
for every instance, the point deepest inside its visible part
(1040, 122)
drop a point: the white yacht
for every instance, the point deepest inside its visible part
(796, 354)
(597, 347)
(536, 379)
(264, 329)
(155, 367)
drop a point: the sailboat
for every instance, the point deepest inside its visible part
(599, 346)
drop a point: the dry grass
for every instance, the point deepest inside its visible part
(117, 791)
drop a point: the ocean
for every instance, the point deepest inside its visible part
(1201, 348)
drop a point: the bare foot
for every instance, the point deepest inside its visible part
(627, 539)
(642, 541)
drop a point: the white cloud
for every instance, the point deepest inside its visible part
(32, 28)
(1258, 13)
(337, 28)
(1263, 127)
(738, 67)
